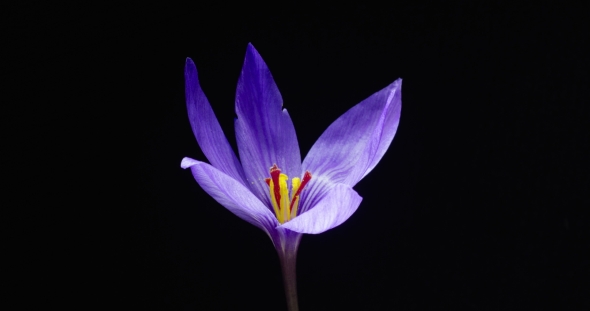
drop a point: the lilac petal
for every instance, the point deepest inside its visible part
(232, 194)
(264, 131)
(387, 127)
(206, 128)
(334, 209)
(351, 146)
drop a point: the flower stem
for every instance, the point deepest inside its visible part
(288, 261)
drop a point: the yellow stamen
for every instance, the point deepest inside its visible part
(285, 207)
(295, 183)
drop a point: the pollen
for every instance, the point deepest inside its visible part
(285, 205)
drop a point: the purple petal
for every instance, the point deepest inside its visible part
(264, 131)
(351, 146)
(206, 128)
(232, 194)
(335, 208)
(387, 127)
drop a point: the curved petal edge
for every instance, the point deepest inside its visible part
(357, 140)
(334, 209)
(206, 128)
(353, 144)
(231, 194)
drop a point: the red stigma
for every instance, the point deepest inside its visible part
(306, 179)
(275, 172)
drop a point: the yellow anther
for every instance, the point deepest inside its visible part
(284, 204)
(295, 205)
(295, 183)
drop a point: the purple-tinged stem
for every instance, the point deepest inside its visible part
(288, 262)
(286, 243)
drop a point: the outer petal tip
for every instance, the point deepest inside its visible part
(189, 66)
(251, 48)
(188, 162)
(191, 77)
(254, 57)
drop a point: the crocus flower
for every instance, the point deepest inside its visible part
(269, 186)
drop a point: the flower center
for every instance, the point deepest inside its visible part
(285, 207)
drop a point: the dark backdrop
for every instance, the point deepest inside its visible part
(479, 204)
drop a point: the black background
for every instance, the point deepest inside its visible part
(480, 202)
